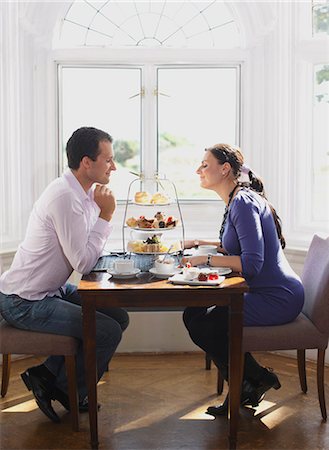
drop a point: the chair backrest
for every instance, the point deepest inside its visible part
(315, 279)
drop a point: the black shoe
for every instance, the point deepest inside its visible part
(41, 388)
(268, 380)
(84, 405)
(252, 394)
(64, 400)
(219, 410)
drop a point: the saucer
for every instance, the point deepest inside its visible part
(163, 276)
(123, 276)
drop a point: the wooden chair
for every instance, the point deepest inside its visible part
(16, 341)
(310, 330)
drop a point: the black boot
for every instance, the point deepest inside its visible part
(263, 379)
(249, 397)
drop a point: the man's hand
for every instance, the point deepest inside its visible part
(105, 200)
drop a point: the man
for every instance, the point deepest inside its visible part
(67, 230)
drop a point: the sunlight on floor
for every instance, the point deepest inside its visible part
(28, 406)
(198, 414)
(275, 416)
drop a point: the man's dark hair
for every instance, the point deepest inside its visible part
(84, 142)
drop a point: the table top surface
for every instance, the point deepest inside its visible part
(101, 282)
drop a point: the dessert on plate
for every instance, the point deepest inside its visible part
(144, 197)
(152, 245)
(160, 220)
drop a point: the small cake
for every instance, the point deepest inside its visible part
(152, 248)
(159, 216)
(152, 244)
(171, 222)
(213, 276)
(203, 276)
(142, 222)
(159, 199)
(131, 222)
(142, 197)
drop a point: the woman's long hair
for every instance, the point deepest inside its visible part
(233, 155)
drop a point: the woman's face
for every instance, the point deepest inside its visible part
(211, 172)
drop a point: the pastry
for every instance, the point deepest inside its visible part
(152, 248)
(131, 222)
(142, 197)
(159, 221)
(142, 222)
(159, 198)
(152, 244)
(171, 222)
(159, 216)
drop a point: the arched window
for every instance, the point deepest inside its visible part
(179, 24)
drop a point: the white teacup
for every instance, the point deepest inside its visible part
(206, 249)
(190, 273)
(124, 265)
(164, 265)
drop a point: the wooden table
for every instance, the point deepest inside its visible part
(97, 290)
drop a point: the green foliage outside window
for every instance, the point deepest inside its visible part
(321, 19)
(322, 76)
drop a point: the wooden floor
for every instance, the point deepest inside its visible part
(158, 402)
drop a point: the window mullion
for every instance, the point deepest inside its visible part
(149, 122)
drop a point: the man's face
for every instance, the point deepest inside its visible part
(100, 170)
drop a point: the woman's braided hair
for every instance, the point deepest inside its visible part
(233, 155)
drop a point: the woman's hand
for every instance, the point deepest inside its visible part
(189, 243)
(194, 260)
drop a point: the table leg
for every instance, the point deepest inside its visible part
(89, 343)
(235, 365)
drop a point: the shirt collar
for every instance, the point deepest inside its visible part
(76, 186)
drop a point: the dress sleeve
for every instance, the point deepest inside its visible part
(81, 247)
(245, 217)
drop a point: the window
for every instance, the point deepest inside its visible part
(205, 102)
(109, 99)
(161, 118)
(174, 24)
(320, 204)
(320, 10)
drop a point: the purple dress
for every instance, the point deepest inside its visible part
(276, 294)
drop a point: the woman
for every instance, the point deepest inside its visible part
(251, 240)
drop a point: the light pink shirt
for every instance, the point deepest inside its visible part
(64, 232)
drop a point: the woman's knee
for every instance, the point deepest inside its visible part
(191, 313)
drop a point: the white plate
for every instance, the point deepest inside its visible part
(219, 270)
(153, 204)
(153, 253)
(179, 279)
(163, 276)
(151, 230)
(123, 276)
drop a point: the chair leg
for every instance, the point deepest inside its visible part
(302, 370)
(220, 382)
(320, 379)
(72, 390)
(208, 361)
(6, 361)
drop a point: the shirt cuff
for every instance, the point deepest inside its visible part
(103, 227)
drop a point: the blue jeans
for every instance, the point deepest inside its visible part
(62, 315)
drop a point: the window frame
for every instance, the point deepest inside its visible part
(149, 161)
